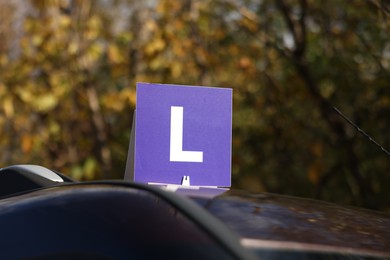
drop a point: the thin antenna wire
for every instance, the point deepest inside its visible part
(361, 131)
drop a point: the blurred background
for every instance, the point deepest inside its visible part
(68, 71)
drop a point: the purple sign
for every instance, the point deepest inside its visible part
(183, 131)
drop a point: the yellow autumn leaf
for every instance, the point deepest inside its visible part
(95, 51)
(3, 60)
(151, 25)
(37, 40)
(114, 54)
(94, 26)
(54, 128)
(129, 95)
(65, 21)
(45, 102)
(176, 69)
(8, 107)
(73, 47)
(155, 46)
(89, 168)
(113, 101)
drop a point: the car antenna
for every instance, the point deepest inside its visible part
(361, 131)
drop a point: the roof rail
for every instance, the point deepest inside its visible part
(25, 177)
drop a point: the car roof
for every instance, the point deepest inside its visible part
(112, 218)
(267, 220)
(259, 221)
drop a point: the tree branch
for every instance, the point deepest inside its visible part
(298, 31)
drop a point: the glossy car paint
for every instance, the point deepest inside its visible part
(87, 220)
(111, 220)
(274, 221)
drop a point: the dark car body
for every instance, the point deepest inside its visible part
(270, 221)
(125, 220)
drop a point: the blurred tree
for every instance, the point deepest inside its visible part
(68, 89)
(57, 95)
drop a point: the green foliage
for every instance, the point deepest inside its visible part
(67, 88)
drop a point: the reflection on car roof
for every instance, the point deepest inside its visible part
(269, 220)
